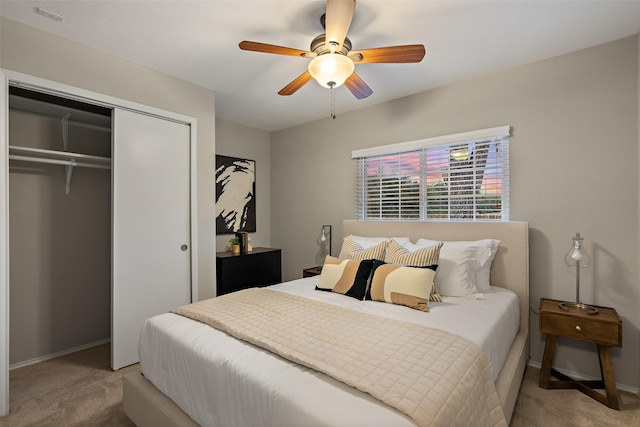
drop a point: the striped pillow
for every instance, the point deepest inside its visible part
(346, 277)
(353, 250)
(402, 285)
(422, 257)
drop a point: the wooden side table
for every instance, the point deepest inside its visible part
(312, 271)
(603, 329)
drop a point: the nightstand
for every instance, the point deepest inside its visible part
(603, 329)
(312, 271)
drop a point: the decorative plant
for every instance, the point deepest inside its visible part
(234, 241)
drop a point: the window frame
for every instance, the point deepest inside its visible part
(482, 178)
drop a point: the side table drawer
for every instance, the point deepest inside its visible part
(580, 328)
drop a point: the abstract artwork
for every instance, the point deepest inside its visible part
(235, 195)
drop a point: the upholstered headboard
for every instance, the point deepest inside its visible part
(510, 268)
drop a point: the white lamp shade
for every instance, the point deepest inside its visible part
(331, 69)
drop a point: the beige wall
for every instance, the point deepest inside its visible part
(574, 167)
(248, 143)
(30, 51)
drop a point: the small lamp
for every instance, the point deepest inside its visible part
(579, 258)
(324, 242)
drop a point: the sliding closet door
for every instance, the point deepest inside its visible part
(151, 225)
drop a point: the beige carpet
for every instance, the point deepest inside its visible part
(539, 407)
(81, 390)
(78, 389)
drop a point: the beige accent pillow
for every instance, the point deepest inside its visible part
(351, 249)
(421, 257)
(398, 284)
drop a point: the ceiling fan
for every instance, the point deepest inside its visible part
(332, 60)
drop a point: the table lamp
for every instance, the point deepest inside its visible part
(579, 258)
(324, 243)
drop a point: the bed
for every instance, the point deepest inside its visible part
(298, 395)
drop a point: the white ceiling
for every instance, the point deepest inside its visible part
(198, 41)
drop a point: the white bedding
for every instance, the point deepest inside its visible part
(183, 359)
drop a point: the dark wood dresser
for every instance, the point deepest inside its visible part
(260, 267)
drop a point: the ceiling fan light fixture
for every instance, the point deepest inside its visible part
(331, 69)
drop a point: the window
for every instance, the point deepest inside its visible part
(462, 177)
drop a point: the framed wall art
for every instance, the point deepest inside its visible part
(235, 195)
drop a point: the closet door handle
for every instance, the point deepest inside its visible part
(183, 248)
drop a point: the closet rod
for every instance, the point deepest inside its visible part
(64, 155)
(58, 162)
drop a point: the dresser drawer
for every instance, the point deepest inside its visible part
(582, 328)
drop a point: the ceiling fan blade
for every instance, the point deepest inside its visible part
(337, 22)
(389, 54)
(272, 48)
(357, 86)
(296, 84)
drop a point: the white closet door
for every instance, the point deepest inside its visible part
(151, 226)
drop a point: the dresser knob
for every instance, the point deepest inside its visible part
(578, 328)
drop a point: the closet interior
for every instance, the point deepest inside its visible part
(60, 209)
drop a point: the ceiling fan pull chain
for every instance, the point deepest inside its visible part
(333, 100)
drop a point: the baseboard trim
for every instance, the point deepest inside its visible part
(58, 354)
(577, 376)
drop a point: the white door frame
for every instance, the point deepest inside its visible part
(48, 86)
(4, 246)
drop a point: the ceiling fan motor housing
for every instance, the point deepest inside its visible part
(319, 47)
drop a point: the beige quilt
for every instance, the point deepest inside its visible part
(435, 377)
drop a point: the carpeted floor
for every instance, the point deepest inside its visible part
(81, 390)
(78, 389)
(539, 407)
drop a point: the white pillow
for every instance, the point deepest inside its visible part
(455, 276)
(489, 248)
(484, 251)
(368, 242)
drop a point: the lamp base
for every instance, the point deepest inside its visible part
(584, 308)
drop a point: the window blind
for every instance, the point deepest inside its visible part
(460, 181)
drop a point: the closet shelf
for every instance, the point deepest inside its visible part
(67, 158)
